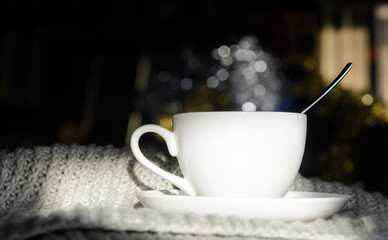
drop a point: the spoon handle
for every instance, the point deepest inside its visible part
(331, 86)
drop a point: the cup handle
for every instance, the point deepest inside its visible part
(169, 137)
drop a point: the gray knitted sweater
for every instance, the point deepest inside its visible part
(88, 192)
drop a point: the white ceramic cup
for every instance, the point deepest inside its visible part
(231, 154)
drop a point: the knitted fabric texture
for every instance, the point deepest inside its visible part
(90, 190)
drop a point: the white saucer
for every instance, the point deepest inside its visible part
(301, 206)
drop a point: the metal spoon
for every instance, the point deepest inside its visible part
(331, 86)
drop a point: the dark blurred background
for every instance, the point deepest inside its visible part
(92, 71)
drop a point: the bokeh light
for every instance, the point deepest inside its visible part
(252, 78)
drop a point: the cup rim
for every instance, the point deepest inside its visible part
(239, 113)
